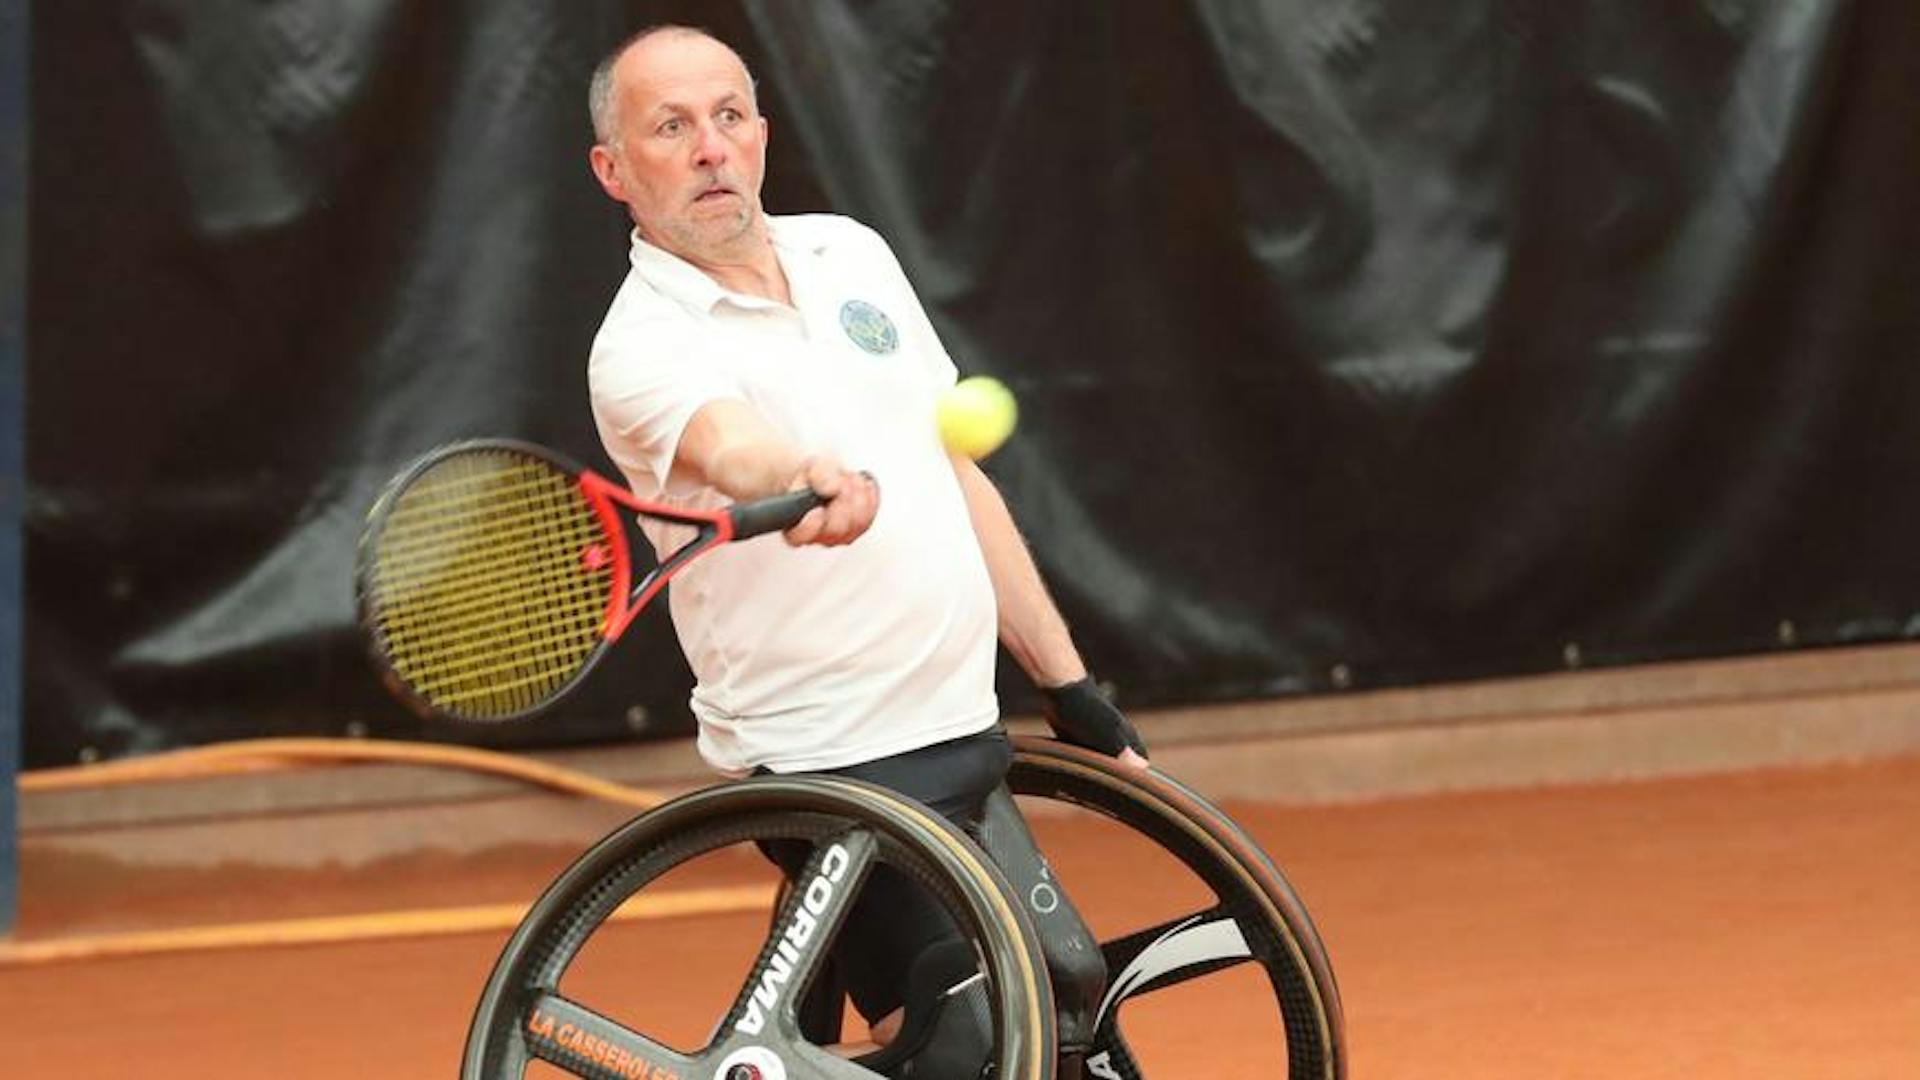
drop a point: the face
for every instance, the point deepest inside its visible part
(690, 147)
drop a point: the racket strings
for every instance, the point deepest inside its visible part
(446, 507)
(484, 661)
(480, 593)
(490, 585)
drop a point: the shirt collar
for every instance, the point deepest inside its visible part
(686, 283)
(674, 276)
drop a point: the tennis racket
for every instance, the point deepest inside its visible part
(493, 575)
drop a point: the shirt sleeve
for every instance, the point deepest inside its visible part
(645, 385)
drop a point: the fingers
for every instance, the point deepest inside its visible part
(853, 498)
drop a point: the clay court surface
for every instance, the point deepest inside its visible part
(1756, 924)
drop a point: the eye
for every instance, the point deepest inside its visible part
(670, 128)
(730, 116)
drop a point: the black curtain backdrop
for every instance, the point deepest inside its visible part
(1358, 342)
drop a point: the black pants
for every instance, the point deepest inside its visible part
(895, 923)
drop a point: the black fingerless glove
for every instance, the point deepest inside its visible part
(1080, 714)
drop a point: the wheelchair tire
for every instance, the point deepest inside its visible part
(522, 1015)
(1258, 917)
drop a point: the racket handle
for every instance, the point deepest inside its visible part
(772, 515)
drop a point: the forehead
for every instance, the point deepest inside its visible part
(675, 69)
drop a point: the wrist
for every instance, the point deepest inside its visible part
(1057, 694)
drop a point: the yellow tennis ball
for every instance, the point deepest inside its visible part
(976, 415)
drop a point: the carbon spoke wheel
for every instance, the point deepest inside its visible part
(1256, 918)
(850, 828)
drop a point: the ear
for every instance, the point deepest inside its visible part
(606, 169)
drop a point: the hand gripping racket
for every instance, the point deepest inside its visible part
(493, 574)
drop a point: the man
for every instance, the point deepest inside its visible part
(747, 355)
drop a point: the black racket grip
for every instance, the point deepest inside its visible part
(773, 515)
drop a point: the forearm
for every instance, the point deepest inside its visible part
(1031, 627)
(732, 449)
(754, 470)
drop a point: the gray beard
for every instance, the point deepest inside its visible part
(713, 241)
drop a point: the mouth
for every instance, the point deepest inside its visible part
(713, 194)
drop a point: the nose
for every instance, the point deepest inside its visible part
(709, 147)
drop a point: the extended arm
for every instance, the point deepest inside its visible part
(1034, 632)
(730, 446)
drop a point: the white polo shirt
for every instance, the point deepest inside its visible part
(808, 658)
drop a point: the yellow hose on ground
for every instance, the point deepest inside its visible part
(256, 754)
(347, 929)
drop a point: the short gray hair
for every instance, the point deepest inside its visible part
(603, 106)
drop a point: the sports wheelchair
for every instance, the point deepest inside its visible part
(778, 1027)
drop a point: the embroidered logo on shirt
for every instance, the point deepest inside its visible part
(869, 327)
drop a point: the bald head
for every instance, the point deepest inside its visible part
(603, 97)
(681, 142)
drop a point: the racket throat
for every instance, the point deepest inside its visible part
(602, 495)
